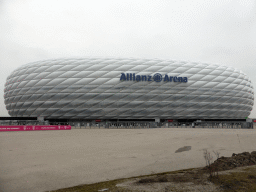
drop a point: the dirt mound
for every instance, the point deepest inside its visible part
(237, 160)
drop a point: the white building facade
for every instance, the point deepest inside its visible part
(127, 88)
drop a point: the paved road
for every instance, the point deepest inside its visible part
(48, 160)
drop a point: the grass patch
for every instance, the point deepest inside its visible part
(111, 185)
(237, 181)
(230, 182)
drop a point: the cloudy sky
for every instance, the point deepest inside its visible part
(220, 32)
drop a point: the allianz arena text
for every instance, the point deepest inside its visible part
(127, 88)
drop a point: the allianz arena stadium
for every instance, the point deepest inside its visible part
(127, 88)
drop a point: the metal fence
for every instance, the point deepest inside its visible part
(118, 125)
(138, 125)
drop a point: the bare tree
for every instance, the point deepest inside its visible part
(217, 154)
(213, 169)
(208, 159)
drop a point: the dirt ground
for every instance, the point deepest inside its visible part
(51, 160)
(195, 180)
(199, 180)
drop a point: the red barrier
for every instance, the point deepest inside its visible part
(33, 127)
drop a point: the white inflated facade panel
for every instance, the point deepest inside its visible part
(91, 88)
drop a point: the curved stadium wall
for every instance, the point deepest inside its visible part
(117, 88)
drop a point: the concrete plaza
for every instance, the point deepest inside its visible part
(49, 160)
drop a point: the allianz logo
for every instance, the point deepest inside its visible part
(156, 77)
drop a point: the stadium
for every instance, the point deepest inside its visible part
(128, 91)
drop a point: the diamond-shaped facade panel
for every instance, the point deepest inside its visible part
(107, 88)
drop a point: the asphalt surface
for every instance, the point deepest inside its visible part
(49, 160)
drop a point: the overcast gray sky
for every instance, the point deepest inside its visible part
(220, 32)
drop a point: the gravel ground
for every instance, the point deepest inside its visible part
(49, 160)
